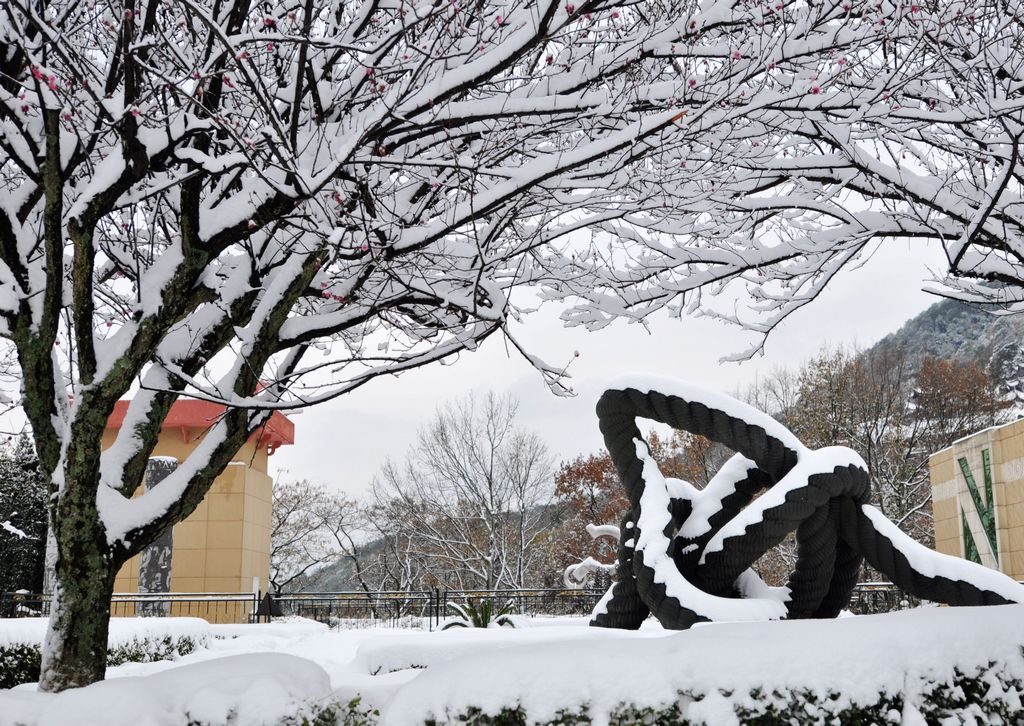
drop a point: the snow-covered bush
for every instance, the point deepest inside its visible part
(19, 663)
(352, 713)
(928, 665)
(134, 640)
(988, 695)
(250, 689)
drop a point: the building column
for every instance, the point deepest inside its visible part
(155, 559)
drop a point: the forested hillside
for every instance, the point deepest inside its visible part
(953, 330)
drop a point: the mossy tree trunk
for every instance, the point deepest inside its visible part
(75, 653)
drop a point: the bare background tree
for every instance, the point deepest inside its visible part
(311, 527)
(467, 508)
(894, 411)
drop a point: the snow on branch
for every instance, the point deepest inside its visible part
(309, 200)
(11, 529)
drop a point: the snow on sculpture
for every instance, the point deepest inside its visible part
(685, 555)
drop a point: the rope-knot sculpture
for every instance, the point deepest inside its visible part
(685, 555)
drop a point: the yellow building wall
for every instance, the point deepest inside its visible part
(225, 542)
(951, 499)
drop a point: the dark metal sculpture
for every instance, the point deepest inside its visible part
(685, 555)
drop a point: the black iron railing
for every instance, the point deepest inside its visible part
(217, 607)
(428, 608)
(422, 609)
(879, 597)
(416, 609)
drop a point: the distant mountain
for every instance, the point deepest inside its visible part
(337, 576)
(951, 329)
(955, 330)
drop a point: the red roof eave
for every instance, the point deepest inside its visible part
(190, 413)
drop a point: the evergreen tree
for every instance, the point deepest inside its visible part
(23, 510)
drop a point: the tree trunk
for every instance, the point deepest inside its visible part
(75, 651)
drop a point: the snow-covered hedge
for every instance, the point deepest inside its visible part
(136, 640)
(254, 689)
(988, 696)
(923, 666)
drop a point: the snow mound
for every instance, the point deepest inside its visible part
(243, 690)
(858, 659)
(122, 630)
(426, 650)
(289, 627)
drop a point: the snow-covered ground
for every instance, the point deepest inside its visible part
(256, 674)
(122, 630)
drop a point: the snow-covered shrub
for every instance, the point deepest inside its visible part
(19, 663)
(135, 640)
(150, 648)
(352, 713)
(987, 696)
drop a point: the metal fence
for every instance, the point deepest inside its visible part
(416, 609)
(424, 610)
(428, 608)
(216, 607)
(879, 597)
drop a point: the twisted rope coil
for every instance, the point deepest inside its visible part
(685, 555)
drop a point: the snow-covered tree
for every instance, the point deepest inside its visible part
(270, 204)
(916, 138)
(22, 518)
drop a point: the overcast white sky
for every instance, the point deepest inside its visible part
(342, 444)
